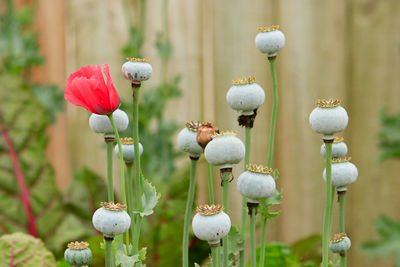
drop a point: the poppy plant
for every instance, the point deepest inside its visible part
(87, 88)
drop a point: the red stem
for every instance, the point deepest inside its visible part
(20, 179)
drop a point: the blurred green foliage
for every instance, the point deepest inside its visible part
(389, 135)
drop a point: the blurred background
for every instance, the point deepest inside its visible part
(346, 49)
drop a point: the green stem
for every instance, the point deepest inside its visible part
(215, 256)
(110, 185)
(244, 200)
(108, 244)
(263, 240)
(327, 211)
(138, 177)
(210, 183)
(253, 248)
(341, 195)
(188, 213)
(226, 176)
(131, 208)
(271, 146)
(121, 165)
(274, 110)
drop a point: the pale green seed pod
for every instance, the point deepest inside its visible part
(328, 118)
(339, 243)
(224, 150)
(78, 254)
(137, 69)
(187, 140)
(344, 173)
(270, 40)
(339, 148)
(211, 224)
(256, 183)
(111, 219)
(245, 95)
(128, 150)
(102, 124)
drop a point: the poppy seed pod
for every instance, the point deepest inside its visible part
(78, 253)
(224, 150)
(137, 69)
(256, 183)
(128, 149)
(328, 118)
(111, 219)
(339, 148)
(245, 95)
(339, 243)
(211, 224)
(270, 40)
(344, 173)
(204, 133)
(102, 124)
(187, 140)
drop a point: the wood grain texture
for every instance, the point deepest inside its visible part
(342, 49)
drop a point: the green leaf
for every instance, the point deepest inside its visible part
(121, 256)
(389, 242)
(235, 243)
(150, 197)
(265, 204)
(51, 99)
(21, 249)
(278, 254)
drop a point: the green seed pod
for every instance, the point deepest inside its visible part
(78, 253)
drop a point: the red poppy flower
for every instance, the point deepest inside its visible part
(87, 88)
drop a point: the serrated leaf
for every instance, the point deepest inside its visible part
(150, 197)
(275, 199)
(21, 249)
(235, 243)
(121, 256)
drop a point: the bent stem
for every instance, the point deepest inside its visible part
(188, 213)
(110, 185)
(210, 183)
(121, 165)
(226, 176)
(244, 200)
(108, 244)
(327, 211)
(271, 146)
(214, 256)
(341, 195)
(253, 258)
(138, 177)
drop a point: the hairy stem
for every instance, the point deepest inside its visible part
(110, 185)
(341, 195)
(108, 244)
(188, 213)
(327, 211)
(215, 256)
(210, 183)
(19, 175)
(253, 247)
(244, 200)
(138, 176)
(226, 176)
(129, 186)
(121, 165)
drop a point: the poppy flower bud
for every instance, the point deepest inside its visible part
(78, 253)
(204, 133)
(137, 69)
